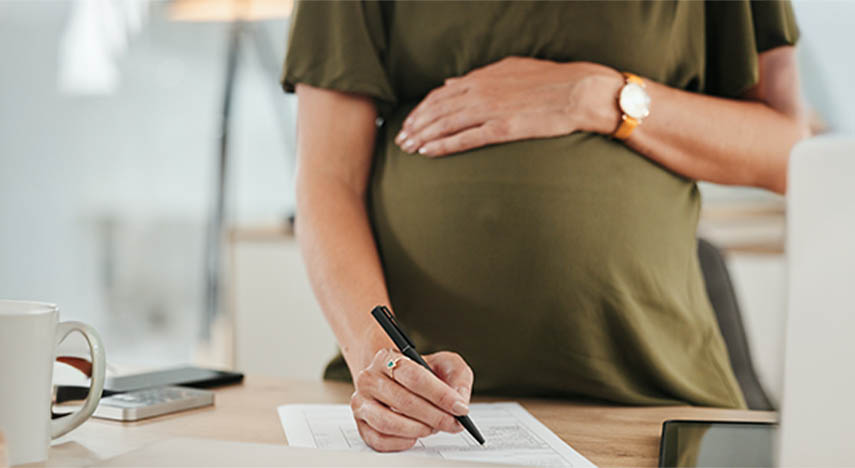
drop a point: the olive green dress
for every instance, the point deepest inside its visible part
(565, 266)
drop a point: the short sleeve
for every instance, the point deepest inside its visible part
(339, 45)
(737, 32)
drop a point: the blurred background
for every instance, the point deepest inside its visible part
(116, 204)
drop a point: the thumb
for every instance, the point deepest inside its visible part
(453, 370)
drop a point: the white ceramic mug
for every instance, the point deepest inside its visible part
(29, 335)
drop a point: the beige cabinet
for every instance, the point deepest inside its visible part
(278, 327)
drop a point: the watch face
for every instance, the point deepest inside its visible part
(634, 101)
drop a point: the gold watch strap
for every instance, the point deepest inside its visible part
(633, 78)
(627, 124)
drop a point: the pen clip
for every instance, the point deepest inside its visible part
(397, 326)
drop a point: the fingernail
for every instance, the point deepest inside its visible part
(459, 408)
(422, 150)
(463, 391)
(401, 136)
(408, 145)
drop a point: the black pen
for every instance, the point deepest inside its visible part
(407, 348)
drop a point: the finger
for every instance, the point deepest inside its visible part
(379, 386)
(466, 392)
(381, 442)
(384, 360)
(440, 94)
(388, 422)
(424, 383)
(435, 111)
(453, 370)
(447, 126)
(494, 131)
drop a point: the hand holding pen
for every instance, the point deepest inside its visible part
(396, 405)
(408, 349)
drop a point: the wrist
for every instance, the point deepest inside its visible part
(369, 340)
(598, 91)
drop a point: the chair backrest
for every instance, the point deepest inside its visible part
(817, 408)
(723, 298)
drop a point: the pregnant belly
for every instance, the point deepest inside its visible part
(477, 238)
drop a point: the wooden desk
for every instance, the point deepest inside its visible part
(608, 436)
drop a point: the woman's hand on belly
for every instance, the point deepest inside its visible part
(513, 99)
(393, 407)
(732, 141)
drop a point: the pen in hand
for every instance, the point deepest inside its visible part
(407, 348)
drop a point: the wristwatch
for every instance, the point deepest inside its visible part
(634, 103)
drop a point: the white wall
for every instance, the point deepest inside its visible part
(103, 199)
(826, 59)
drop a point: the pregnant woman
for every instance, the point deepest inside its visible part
(517, 181)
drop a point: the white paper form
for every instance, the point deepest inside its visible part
(513, 435)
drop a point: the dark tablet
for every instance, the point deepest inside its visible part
(187, 376)
(719, 444)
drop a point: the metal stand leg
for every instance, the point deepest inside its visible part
(215, 235)
(213, 257)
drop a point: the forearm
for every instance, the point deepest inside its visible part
(335, 141)
(726, 141)
(343, 266)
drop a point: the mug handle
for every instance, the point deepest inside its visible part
(61, 426)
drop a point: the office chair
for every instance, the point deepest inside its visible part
(723, 298)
